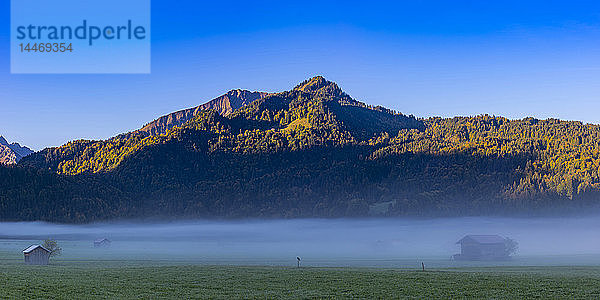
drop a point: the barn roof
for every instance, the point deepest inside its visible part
(33, 247)
(483, 239)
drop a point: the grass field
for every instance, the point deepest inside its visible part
(144, 280)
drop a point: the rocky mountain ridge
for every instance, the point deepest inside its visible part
(12, 153)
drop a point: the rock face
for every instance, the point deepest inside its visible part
(12, 153)
(224, 105)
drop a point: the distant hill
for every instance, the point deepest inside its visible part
(12, 153)
(312, 151)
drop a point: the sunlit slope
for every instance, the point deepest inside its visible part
(562, 156)
(315, 113)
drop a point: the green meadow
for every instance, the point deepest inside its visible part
(160, 280)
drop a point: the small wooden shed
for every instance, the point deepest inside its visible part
(36, 255)
(482, 247)
(102, 243)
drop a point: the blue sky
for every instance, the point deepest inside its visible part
(427, 58)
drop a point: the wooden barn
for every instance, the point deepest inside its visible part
(482, 247)
(102, 243)
(36, 255)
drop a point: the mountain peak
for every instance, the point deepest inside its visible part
(317, 83)
(237, 92)
(12, 153)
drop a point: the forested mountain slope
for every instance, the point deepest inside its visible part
(314, 151)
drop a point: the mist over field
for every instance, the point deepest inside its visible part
(319, 242)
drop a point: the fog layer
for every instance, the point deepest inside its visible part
(338, 242)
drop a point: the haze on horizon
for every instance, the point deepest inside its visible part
(441, 58)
